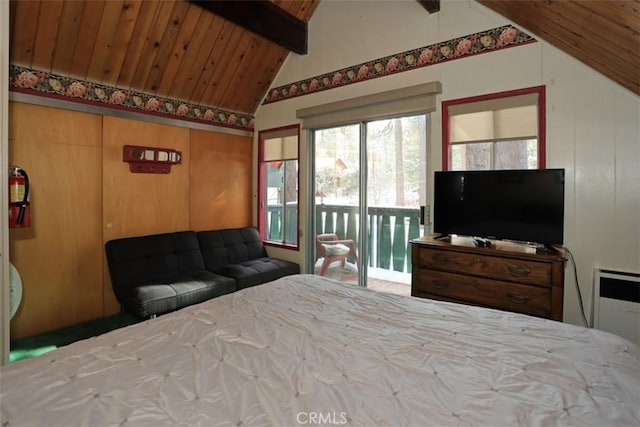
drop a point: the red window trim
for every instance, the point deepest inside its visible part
(542, 125)
(261, 196)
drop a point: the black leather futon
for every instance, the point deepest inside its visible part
(159, 273)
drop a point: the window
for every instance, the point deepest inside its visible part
(278, 185)
(499, 131)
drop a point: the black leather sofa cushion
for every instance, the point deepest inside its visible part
(257, 271)
(179, 291)
(163, 272)
(240, 253)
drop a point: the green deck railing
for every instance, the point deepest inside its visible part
(274, 223)
(389, 233)
(390, 230)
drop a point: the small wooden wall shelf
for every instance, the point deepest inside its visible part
(150, 159)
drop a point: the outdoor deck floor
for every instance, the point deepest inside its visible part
(378, 279)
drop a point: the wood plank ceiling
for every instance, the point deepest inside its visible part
(603, 34)
(168, 48)
(175, 49)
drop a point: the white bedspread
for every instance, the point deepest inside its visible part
(304, 350)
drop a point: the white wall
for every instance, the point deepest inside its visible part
(593, 124)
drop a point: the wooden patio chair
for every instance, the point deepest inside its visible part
(331, 249)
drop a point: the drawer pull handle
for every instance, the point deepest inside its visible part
(519, 298)
(519, 271)
(440, 284)
(439, 258)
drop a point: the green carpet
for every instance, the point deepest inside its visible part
(25, 348)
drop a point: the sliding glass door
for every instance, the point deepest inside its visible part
(369, 183)
(396, 188)
(337, 213)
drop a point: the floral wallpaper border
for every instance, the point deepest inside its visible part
(47, 84)
(458, 48)
(51, 85)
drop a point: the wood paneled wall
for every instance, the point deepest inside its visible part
(84, 195)
(59, 257)
(135, 204)
(220, 181)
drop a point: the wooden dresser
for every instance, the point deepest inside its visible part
(507, 276)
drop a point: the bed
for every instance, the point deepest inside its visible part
(306, 350)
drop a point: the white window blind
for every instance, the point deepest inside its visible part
(500, 119)
(285, 148)
(281, 145)
(393, 103)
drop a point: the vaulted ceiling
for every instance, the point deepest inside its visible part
(177, 49)
(603, 34)
(169, 48)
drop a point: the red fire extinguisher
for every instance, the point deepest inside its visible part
(19, 210)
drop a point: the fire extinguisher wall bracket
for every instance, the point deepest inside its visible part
(19, 209)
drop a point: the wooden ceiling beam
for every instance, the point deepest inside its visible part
(264, 19)
(432, 6)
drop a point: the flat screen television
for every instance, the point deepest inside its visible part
(520, 205)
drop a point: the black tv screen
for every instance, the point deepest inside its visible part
(520, 205)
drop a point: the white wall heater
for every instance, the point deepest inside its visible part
(616, 305)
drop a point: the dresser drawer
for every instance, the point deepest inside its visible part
(503, 268)
(492, 293)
